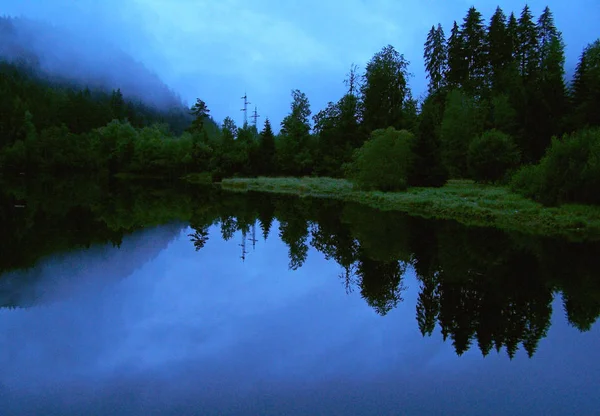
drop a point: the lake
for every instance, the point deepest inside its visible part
(140, 299)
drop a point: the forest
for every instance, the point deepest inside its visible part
(499, 109)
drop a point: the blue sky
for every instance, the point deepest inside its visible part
(216, 50)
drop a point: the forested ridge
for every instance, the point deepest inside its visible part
(498, 109)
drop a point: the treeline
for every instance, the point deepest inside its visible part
(481, 288)
(53, 125)
(498, 109)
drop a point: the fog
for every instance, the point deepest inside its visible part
(84, 58)
(219, 50)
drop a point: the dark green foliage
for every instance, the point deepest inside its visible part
(118, 106)
(547, 33)
(338, 133)
(384, 161)
(462, 122)
(473, 52)
(436, 58)
(57, 127)
(499, 50)
(329, 149)
(410, 109)
(503, 115)
(428, 169)
(586, 87)
(200, 111)
(294, 145)
(385, 91)
(569, 171)
(230, 154)
(491, 156)
(552, 89)
(266, 151)
(512, 32)
(528, 53)
(457, 69)
(508, 77)
(247, 144)
(229, 131)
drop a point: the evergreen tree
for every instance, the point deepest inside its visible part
(512, 33)
(385, 90)
(474, 52)
(457, 73)
(528, 47)
(513, 86)
(577, 88)
(547, 32)
(552, 88)
(436, 58)
(586, 87)
(499, 50)
(201, 112)
(117, 105)
(526, 98)
(266, 150)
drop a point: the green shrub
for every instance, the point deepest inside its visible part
(527, 181)
(384, 161)
(569, 171)
(491, 155)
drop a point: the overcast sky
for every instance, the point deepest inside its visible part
(216, 50)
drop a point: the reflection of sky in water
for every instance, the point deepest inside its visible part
(205, 333)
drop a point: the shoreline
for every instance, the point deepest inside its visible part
(460, 200)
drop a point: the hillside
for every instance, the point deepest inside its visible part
(82, 59)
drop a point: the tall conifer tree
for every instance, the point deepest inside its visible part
(528, 46)
(474, 52)
(499, 50)
(436, 58)
(457, 71)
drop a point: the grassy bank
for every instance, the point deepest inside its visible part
(463, 201)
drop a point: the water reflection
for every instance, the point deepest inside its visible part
(477, 287)
(141, 300)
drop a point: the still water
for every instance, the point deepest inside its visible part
(135, 300)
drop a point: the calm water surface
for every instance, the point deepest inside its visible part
(129, 300)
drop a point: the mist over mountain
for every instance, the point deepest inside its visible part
(82, 58)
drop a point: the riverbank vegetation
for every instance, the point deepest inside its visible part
(498, 110)
(462, 200)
